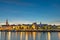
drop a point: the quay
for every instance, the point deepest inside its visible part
(29, 30)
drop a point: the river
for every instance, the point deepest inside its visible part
(29, 35)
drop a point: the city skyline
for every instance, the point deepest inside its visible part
(29, 11)
(40, 23)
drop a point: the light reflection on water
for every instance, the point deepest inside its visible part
(8, 35)
(26, 36)
(59, 35)
(29, 35)
(21, 36)
(34, 35)
(49, 36)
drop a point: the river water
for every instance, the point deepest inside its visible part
(29, 35)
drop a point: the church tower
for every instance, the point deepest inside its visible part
(7, 22)
(40, 24)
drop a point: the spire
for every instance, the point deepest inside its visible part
(40, 22)
(7, 22)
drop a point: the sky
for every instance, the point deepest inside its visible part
(29, 11)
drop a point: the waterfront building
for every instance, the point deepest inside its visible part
(58, 27)
(13, 26)
(54, 26)
(34, 26)
(25, 26)
(42, 26)
(49, 26)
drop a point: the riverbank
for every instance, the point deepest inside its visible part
(30, 30)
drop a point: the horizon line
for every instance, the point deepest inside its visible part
(27, 23)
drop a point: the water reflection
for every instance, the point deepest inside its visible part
(29, 36)
(0, 35)
(54, 36)
(8, 35)
(49, 36)
(38, 35)
(26, 36)
(34, 35)
(3, 36)
(59, 35)
(21, 36)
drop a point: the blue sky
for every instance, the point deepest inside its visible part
(28, 11)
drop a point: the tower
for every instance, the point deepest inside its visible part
(40, 24)
(7, 22)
